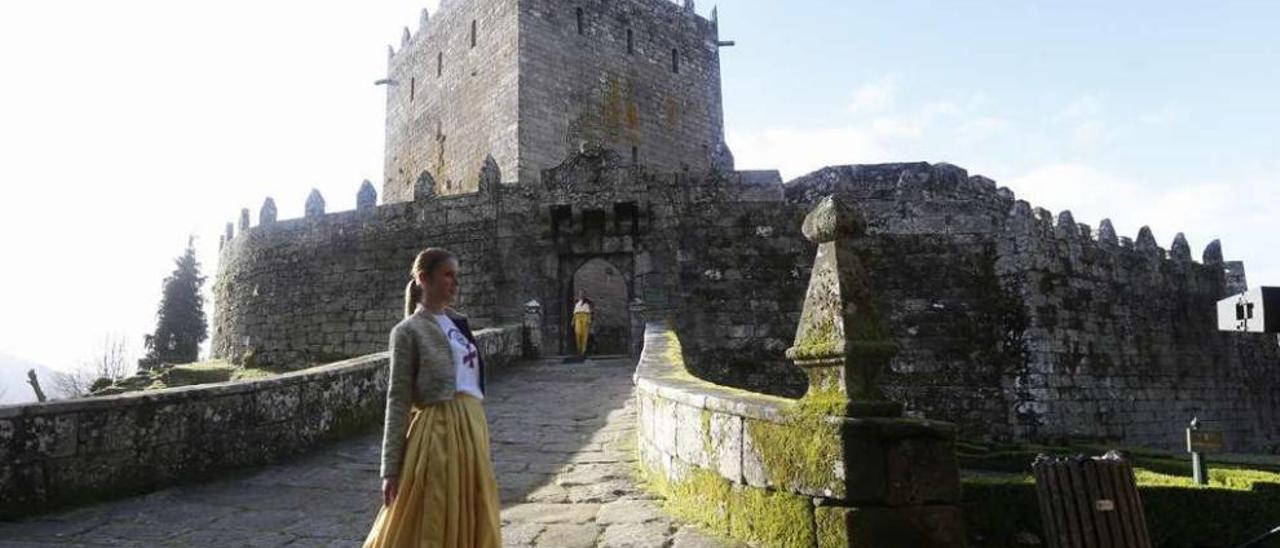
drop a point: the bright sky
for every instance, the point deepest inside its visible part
(127, 125)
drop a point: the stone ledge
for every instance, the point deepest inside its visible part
(194, 392)
(67, 452)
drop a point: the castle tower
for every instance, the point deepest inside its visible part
(531, 81)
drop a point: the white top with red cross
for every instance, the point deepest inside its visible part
(466, 357)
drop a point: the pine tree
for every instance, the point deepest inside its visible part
(180, 321)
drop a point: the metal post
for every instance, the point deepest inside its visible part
(1199, 472)
(1199, 469)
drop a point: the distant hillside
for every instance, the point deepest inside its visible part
(13, 380)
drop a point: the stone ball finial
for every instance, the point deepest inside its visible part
(366, 197)
(244, 219)
(831, 220)
(404, 38)
(841, 342)
(315, 204)
(267, 214)
(1180, 250)
(1213, 253)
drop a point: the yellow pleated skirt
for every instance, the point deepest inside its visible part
(581, 328)
(448, 496)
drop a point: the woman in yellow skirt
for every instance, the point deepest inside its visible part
(438, 486)
(582, 322)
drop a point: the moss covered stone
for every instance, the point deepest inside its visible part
(746, 513)
(803, 453)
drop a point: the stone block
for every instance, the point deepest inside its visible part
(876, 527)
(64, 440)
(770, 518)
(921, 471)
(726, 446)
(864, 469)
(801, 458)
(664, 426)
(277, 403)
(693, 435)
(753, 468)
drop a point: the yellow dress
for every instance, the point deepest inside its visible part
(581, 326)
(448, 496)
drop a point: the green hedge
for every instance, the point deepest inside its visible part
(1018, 458)
(1237, 506)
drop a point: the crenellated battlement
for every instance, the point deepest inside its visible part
(366, 201)
(685, 8)
(1062, 232)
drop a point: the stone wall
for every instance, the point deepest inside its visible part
(452, 105)
(642, 75)
(715, 454)
(331, 285)
(1122, 339)
(588, 84)
(1020, 325)
(303, 291)
(73, 451)
(1010, 325)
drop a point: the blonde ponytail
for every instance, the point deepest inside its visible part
(428, 260)
(412, 296)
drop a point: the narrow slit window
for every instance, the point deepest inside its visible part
(561, 218)
(635, 155)
(675, 61)
(439, 63)
(473, 33)
(413, 87)
(581, 28)
(631, 42)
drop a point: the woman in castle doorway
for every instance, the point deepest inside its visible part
(438, 487)
(582, 322)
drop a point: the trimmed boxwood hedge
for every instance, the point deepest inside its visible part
(1240, 503)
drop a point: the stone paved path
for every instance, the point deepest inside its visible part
(562, 438)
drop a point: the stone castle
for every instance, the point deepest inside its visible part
(564, 145)
(528, 81)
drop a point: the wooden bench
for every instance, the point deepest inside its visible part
(1088, 502)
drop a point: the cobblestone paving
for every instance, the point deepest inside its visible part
(562, 437)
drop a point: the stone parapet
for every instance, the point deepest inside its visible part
(763, 469)
(71, 451)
